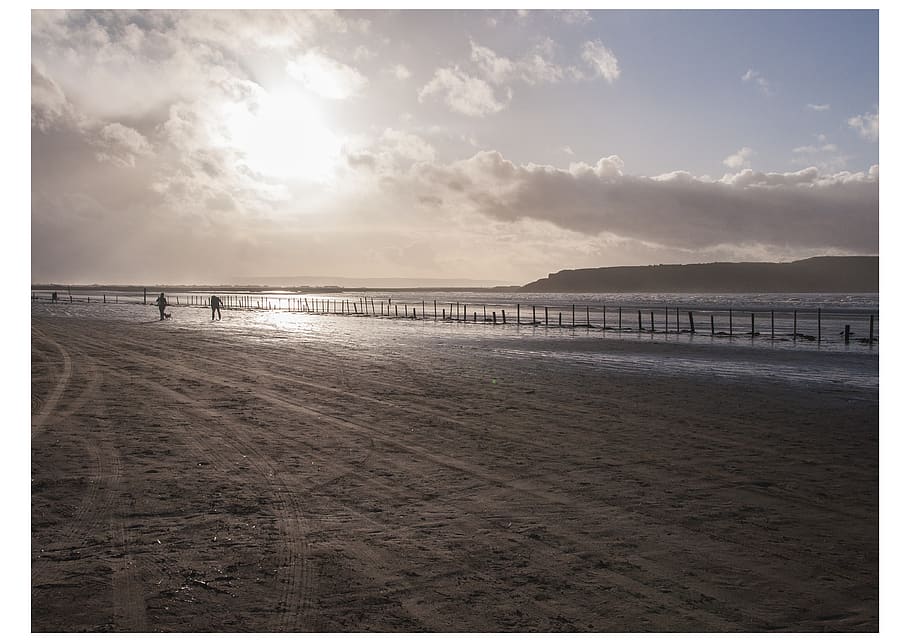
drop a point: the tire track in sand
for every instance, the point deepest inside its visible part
(295, 573)
(53, 398)
(101, 510)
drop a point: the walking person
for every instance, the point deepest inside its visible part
(216, 307)
(162, 303)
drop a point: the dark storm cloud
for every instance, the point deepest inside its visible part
(802, 208)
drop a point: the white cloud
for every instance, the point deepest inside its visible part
(325, 76)
(739, 159)
(50, 106)
(495, 68)
(363, 53)
(601, 59)
(575, 16)
(408, 145)
(568, 150)
(463, 93)
(121, 145)
(814, 107)
(815, 149)
(760, 81)
(399, 71)
(534, 67)
(866, 125)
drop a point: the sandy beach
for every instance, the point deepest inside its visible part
(188, 479)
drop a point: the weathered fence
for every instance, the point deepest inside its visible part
(828, 325)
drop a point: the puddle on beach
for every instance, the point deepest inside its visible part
(804, 362)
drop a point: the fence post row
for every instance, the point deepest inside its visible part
(361, 307)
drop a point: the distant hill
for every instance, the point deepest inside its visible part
(817, 274)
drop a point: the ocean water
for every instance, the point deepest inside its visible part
(780, 321)
(830, 363)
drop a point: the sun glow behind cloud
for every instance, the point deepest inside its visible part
(282, 135)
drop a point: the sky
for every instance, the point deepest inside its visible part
(217, 146)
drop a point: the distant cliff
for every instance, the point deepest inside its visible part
(818, 274)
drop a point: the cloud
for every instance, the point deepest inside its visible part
(471, 92)
(536, 66)
(568, 150)
(814, 107)
(495, 68)
(121, 145)
(325, 76)
(575, 16)
(50, 106)
(814, 149)
(601, 59)
(363, 53)
(760, 81)
(463, 93)
(866, 125)
(788, 210)
(824, 155)
(739, 159)
(399, 71)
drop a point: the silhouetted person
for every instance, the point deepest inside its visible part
(216, 307)
(54, 297)
(162, 303)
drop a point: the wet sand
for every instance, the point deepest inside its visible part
(194, 480)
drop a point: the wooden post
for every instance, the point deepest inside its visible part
(434, 309)
(503, 317)
(691, 323)
(588, 316)
(143, 296)
(518, 313)
(464, 317)
(620, 318)
(605, 319)
(640, 328)
(494, 317)
(677, 320)
(475, 317)
(712, 325)
(396, 309)
(443, 314)
(414, 313)
(847, 334)
(573, 315)
(753, 324)
(731, 322)
(560, 319)
(423, 310)
(652, 321)
(871, 328)
(546, 315)
(819, 325)
(794, 326)
(666, 320)
(772, 325)
(533, 315)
